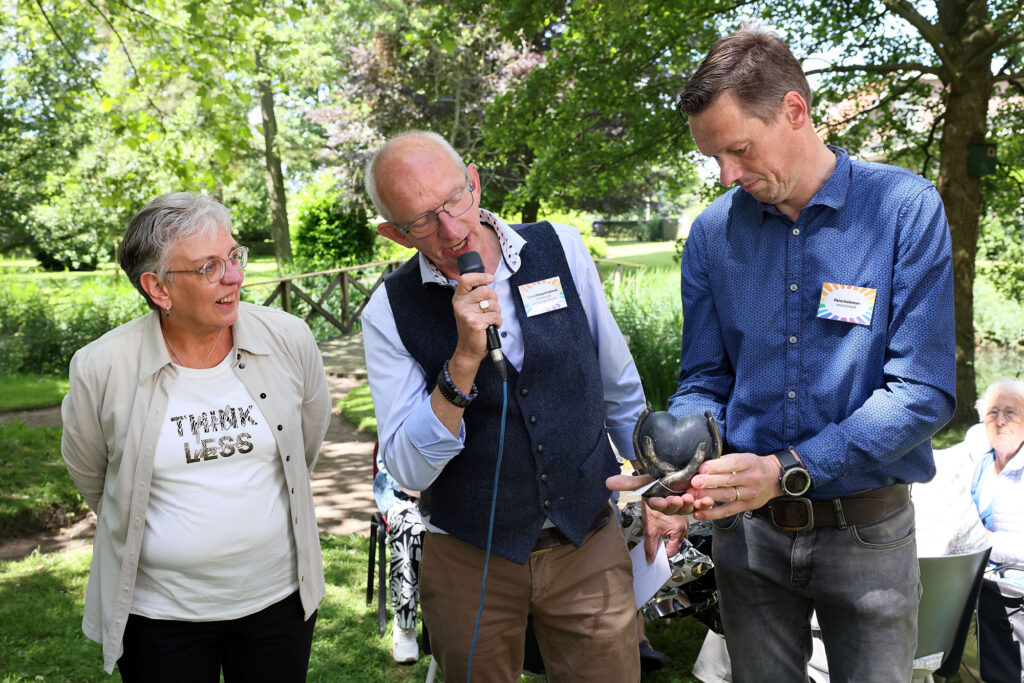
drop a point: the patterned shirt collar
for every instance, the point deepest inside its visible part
(511, 243)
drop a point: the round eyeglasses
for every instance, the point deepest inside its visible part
(427, 223)
(214, 269)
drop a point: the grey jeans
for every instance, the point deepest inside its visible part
(863, 581)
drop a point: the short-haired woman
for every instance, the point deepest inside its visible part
(191, 431)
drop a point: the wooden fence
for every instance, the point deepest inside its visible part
(345, 280)
(357, 278)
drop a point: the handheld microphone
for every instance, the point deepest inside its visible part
(470, 262)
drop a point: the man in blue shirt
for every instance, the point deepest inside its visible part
(818, 306)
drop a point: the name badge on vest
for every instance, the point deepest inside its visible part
(847, 303)
(542, 296)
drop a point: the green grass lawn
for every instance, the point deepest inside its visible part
(43, 595)
(38, 493)
(21, 392)
(650, 254)
(357, 407)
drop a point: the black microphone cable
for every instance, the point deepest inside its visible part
(490, 525)
(470, 262)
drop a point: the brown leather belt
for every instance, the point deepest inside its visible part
(866, 507)
(551, 537)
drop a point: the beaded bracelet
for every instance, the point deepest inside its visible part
(451, 392)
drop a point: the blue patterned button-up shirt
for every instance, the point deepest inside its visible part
(858, 403)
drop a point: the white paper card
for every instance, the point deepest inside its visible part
(542, 296)
(649, 577)
(847, 303)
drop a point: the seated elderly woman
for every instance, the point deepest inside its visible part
(191, 431)
(997, 468)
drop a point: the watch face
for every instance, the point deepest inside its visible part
(796, 481)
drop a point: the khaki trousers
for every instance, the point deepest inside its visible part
(581, 599)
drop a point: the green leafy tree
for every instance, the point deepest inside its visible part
(909, 81)
(40, 87)
(408, 65)
(171, 85)
(938, 77)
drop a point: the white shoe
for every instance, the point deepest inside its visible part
(404, 648)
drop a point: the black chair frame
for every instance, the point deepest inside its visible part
(378, 543)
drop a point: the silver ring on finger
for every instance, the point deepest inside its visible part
(736, 491)
(485, 305)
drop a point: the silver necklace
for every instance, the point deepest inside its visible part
(208, 353)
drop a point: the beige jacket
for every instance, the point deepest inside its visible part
(112, 417)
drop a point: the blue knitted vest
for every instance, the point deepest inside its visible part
(557, 452)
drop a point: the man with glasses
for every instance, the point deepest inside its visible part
(571, 384)
(818, 306)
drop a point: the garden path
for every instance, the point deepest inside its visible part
(341, 481)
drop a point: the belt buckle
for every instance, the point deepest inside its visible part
(807, 507)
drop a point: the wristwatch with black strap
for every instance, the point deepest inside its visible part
(794, 479)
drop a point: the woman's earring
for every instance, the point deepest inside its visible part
(167, 312)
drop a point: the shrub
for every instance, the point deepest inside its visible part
(1007, 277)
(331, 229)
(997, 318)
(40, 329)
(649, 312)
(76, 229)
(247, 199)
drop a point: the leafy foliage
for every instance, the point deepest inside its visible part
(997, 319)
(649, 312)
(40, 328)
(331, 230)
(136, 102)
(410, 65)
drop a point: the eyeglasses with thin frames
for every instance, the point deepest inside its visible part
(214, 269)
(1011, 414)
(427, 223)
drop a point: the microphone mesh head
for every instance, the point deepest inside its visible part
(470, 262)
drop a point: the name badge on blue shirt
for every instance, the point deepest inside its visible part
(847, 303)
(542, 296)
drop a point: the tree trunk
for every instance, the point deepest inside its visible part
(966, 121)
(530, 210)
(275, 178)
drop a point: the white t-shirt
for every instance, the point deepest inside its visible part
(218, 543)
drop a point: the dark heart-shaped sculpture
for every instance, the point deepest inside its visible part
(671, 450)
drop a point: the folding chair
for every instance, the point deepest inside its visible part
(949, 596)
(378, 543)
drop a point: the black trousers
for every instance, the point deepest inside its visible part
(1001, 632)
(270, 645)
